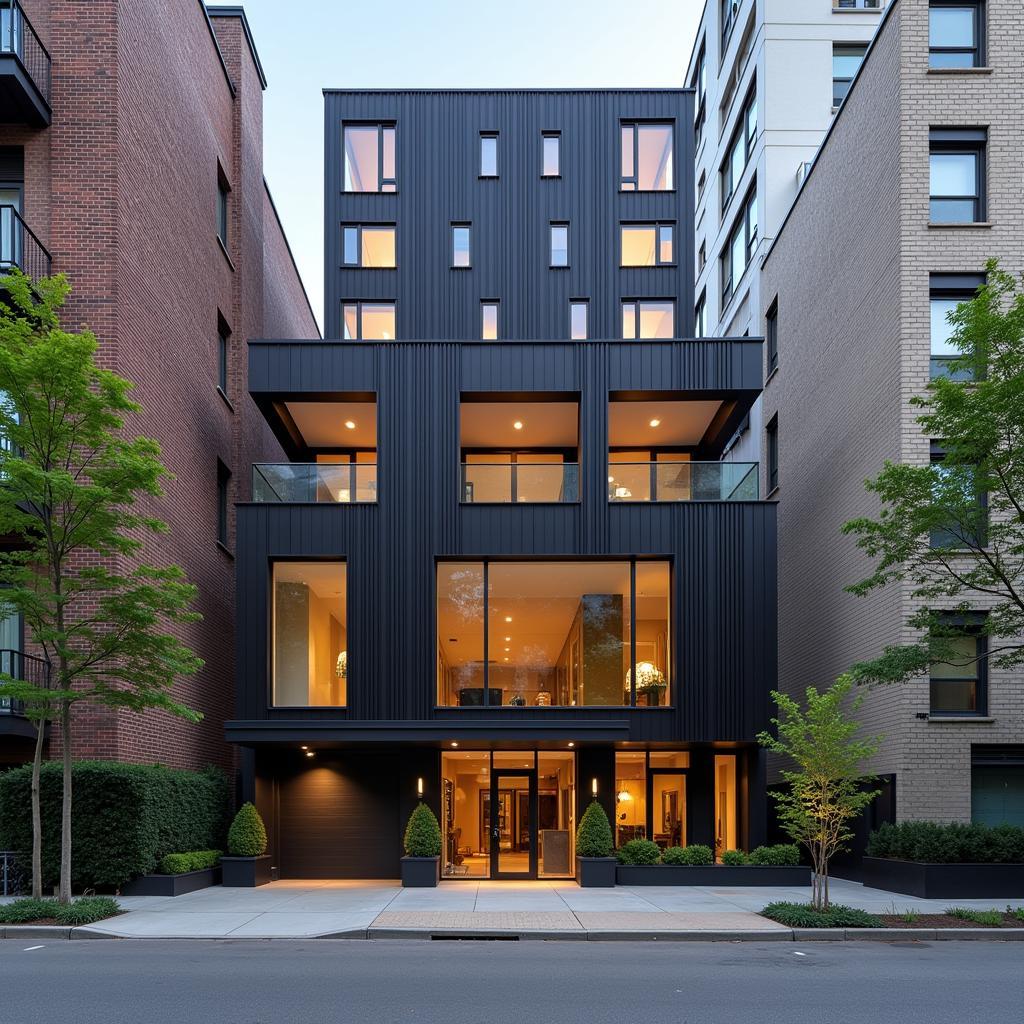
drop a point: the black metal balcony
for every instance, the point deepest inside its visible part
(19, 246)
(22, 666)
(24, 70)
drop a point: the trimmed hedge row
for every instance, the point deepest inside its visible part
(125, 818)
(644, 851)
(935, 843)
(183, 863)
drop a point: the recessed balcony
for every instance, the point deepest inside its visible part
(682, 481)
(344, 484)
(24, 70)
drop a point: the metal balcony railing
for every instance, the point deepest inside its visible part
(682, 481)
(505, 483)
(19, 246)
(18, 37)
(22, 666)
(334, 483)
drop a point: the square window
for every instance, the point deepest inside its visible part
(368, 245)
(368, 321)
(648, 318)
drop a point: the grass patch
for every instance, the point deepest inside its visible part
(803, 915)
(81, 911)
(1018, 914)
(989, 918)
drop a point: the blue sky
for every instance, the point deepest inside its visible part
(307, 45)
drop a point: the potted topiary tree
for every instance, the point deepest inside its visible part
(247, 864)
(595, 865)
(421, 865)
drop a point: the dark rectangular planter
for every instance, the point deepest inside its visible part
(245, 872)
(171, 885)
(712, 874)
(421, 872)
(945, 881)
(595, 872)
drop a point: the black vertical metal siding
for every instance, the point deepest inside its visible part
(723, 554)
(438, 163)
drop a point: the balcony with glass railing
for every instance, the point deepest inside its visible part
(25, 68)
(505, 483)
(682, 481)
(313, 482)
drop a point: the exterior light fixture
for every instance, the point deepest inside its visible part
(508, 639)
(571, 744)
(309, 753)
(454, 744)
(593, 787)
(419, 787)
(303, 747)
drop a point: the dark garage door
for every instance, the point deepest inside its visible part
(340, 819)
(997, 794)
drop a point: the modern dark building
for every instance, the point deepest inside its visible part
(504, 567)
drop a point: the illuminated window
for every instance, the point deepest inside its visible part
(368, 321)
(648, 318)
(368, 245)
(489, 320)
(578, 310)
(646, 245)
(369, 158)
(551, 166)
(460, 245)
(646, 158)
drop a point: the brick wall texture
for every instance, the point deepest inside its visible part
(851, 271)
(122, 188)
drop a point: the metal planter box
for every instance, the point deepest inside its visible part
(171, 885)
(245, 872)
(712, 874)
(421, 872)
(596, 872)
(945, 881)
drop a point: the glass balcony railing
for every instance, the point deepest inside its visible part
(333, 483)
(519, 483)
(682, 481)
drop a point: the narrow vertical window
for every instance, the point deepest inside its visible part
(489, 320)
(489, 155)
(223, 483)
(772, 443)
(578, 310)
(956, 172)
(559, 245)
(551, 166)
(223, 189)
(460, 245)
(700, 316)
(771, 335)
(223, 350)
(946, 293)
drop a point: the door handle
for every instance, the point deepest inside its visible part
(496, 833)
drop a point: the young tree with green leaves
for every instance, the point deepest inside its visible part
(954, 529)
(70, 481)
(824, 774)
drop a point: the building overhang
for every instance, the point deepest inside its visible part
(21, 100)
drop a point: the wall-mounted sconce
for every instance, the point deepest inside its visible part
(419, 787)
(593, 787)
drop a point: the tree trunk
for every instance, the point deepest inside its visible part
(37, 821)
(65, 811)
(824, 905)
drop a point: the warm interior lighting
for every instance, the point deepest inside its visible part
(518, 425)
(508, 618)
(309, 753)
(622, 796)
(571, 744)
(454, 744)
(304, 747)
(508, 639)
(655, 423)
(350, 424)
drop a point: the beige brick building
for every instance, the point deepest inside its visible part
(851, 287)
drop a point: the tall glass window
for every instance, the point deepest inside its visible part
(578, 310)
(956, 172)
(559, 256)
(957, 686)
(726, 814)
(551, 166)
(309, 631)
(489, 321)
(369, 158)
(650, 796)
(954, 34)
(460, 245)
(646, 158)
(489, 155)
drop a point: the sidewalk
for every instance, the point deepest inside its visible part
(546, 910)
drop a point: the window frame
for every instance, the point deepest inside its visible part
(848, 81)
(771, 432)
(977, 50)
(657, 226)
(700, 315)
(961, 288)
(223, 207)
(223, 505)
(490, 135)
(700, 86)
(223, 354)
(359, 228)
(742, 128)
(545, 136)
(467, 226)
(960, 142)
(728, 11)
(383, 182)
(630, 183)
(484, 304)
(583, 303)
(741, 223)
(637, 303)
(359, 304)
(936, 456)
(771, 337)
(552, 227)
(972, 629)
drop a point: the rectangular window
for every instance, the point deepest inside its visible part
(957, 166)
(700, 316)
(772, 443)
(646, 245)
(958, 686)
(368, 245)
(578, 310)
(954, 34)
(650, 796)
(946, 292)
(488, 154)
(646, 157)
(369, 321)
(857, 5)
(648, 318)
(489, 320)
(223, 485)
(460, 245)
(739, 250)
(700, 86)
(369, 158)
(962, 507)
(223, 353)
(846, 60)
(554, 633)
(559, 254)
(551, 156)
(740, 149)
(223, 191)
(729, 9)
(309, 634)
(702, 256)
(771, 335)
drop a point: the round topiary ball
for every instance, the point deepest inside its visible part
(247, 836)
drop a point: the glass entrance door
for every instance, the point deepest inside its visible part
(512, 823)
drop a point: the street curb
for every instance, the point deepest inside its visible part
(50, 931)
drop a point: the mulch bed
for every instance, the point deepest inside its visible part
(945, 921)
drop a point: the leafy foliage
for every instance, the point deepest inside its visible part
(639, 851)
(129, 816)
(988, 918)
(696, 855)
(941, 843)
(247, 836)
(935, 529)
(594, 833)
(825, 778)
(734, 858)
(806, 915)
(422, 833)
(82, 911)
(782, 855)
(182, 863)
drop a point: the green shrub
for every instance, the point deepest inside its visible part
(81, 911)
(423, 833)
(803, 915)
(938, 843)
(639, 851)
(125, 818)
(783, 855)
(181, 863)
(693, 856)
(734, 858)
(989, 918)
(594, 833)
(247, 836)
(1018, 913)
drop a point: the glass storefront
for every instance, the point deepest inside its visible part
(650, 796)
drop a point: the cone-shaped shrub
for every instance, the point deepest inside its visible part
(247, 837)
(422, 834)
(594, 835)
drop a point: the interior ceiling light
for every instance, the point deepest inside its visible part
(571, 744)
(518, 425)
(350, 424)
(508, 639)
(508, 618)
(655, 423)
(454, 744)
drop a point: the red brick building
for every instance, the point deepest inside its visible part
(131, 159)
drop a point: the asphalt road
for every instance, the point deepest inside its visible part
(324, 982)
